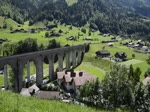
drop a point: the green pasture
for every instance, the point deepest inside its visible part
(11, 23)
(139, 61)
(1, 80)
(132, 62)
(94, 70)
(71, 2)
(97, 67)
(40, 35)
(90, 64)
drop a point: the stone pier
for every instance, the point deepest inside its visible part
(5, 77)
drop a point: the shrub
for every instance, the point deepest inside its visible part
(83, 30)
(47, 34)
(5, 26)
(117, 91)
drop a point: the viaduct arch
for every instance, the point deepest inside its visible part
(73, 57)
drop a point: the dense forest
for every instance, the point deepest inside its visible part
(124, 17)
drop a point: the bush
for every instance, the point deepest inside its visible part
(53, 44)
(47, 34)
(70, 27)
(83, 30)
(117, 91)
(5, 26)
(60, 31)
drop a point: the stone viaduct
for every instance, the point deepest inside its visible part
(72, 55)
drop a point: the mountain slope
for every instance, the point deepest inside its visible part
(125, 17)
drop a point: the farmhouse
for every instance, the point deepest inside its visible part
(120, 56)
(72, 81)
(136, 46)
(102, 53)
(130, 44)
(88, 38)
(144, 48)
(110, 44)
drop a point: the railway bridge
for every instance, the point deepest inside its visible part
(67, 58)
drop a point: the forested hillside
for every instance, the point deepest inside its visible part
(125, 17)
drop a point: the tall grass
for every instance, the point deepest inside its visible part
(11, 102)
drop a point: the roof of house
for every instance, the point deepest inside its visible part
(145, 47)
(110, 43)
(103, 52)
(78, 77)
(48, 95)
(78, 81)
(121, 54)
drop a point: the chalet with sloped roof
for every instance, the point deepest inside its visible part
(72, 81)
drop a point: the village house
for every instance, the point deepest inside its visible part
(88, 38)
(131, 44)
(137, 46)
(72, 81)
(120, 56)
(110, 44)
(102, 53)
(145, 48)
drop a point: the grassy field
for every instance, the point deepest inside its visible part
(11, 102)
(98, 66)
(1, 80)
(71, 2)
(94, 70)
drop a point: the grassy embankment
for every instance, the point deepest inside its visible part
(11, 102)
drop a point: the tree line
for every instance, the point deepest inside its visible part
(128, 17)
(26, 46)
(121, 88)
(99, 14)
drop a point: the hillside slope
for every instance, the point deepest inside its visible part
(129, 17)
(11, 102)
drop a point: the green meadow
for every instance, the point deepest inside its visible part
(98, 67)
(11, 102)
(1, 21)
(71, 2)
